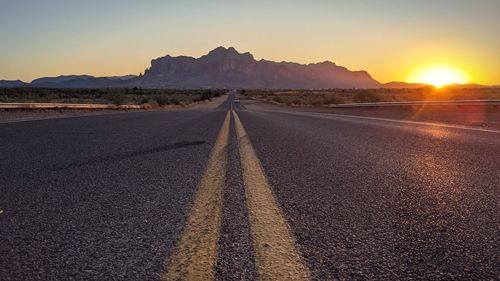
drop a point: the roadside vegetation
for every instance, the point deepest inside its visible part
(148, 98)
(343, 96)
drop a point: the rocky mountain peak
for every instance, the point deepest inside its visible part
(227, 53)
(227, 68)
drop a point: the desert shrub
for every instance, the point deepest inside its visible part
(205, 95)
(278, 99)
(143, 100)
(162, 100)
(151, 104)
(331, 99)
(366, 97)
(198, 98)
(316, 103)
(118, 98)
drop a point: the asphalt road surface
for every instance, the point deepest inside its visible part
(230, 193)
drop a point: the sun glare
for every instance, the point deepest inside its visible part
(439, 76)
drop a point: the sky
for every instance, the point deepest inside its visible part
(391, 39)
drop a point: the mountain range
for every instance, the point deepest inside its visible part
(226, 68)
(73, 81)
(222, 68)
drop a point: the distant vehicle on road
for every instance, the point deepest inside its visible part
(236, 100)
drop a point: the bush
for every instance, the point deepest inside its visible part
(316, 102)
(151, 104)
(332, 100)
(117, 96)
(278, 99)
(175, 101)
(118, 99)
(162, 100)
(366, 97)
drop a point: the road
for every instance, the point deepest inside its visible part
(233, 193)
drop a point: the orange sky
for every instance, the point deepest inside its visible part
(390, 39)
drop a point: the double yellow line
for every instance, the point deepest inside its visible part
(195, 254)
(276, 256)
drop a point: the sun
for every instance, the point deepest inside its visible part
(439, 76)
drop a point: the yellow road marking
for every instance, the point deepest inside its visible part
(276, 256)
(196, 252)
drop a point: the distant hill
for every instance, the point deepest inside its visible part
(74, 81)
(83, 81)
(12, 83)
(226, 68)
(125, 77)
(59, 79)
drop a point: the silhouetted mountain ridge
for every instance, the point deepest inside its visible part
(73, 81)
(227, 68)
(12, 83)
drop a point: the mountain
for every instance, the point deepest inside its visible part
(123, 78)
(12, 83)
(83, 81)
(93, 82)
(40, 82)
(74, 81)
(226, 68)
